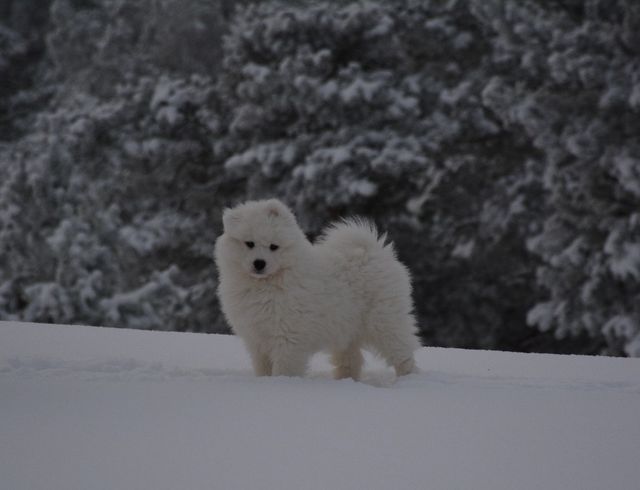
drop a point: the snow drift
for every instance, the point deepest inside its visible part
(96, 408)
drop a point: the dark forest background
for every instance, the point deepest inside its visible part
(497, 141)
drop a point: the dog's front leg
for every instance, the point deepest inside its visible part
(262, 364)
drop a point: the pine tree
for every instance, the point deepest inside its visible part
(111, 200)
(495, 142)
(578, 97)
(377, 109)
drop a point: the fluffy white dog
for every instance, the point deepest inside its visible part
(288, 299)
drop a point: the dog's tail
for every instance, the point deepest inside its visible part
(356, 234)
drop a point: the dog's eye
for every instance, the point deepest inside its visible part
(273, 247)
(250, 244)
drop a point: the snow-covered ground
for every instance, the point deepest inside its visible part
(94, 408)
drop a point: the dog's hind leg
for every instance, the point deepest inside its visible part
(396, 344)
(405, 367)
(347, 363)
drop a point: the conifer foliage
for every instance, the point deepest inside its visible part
(495, 141)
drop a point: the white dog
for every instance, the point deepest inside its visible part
(288, 299)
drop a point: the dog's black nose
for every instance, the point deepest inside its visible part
(259, 264)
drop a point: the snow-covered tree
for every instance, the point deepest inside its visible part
(12, 46)
(22, 31)
(377, 108)
(94, 43)
(573, 86)
(494, 140)
(109, 204)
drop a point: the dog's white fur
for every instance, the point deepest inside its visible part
(346, 292)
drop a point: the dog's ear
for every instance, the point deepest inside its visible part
(274, 208)
(230, 218)
(277, 209)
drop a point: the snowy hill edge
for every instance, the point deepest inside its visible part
(30, 347)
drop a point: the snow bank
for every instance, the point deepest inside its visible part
(95, 408)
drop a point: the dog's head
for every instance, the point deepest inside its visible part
(260, 237)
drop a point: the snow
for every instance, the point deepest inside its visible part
(628, 173)
(541, 315)
(363, 187)
(464, 250)
(97, 408)
(361, 89)
(628, 262)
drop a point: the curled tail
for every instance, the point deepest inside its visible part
(369, 265)
(356, 234)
